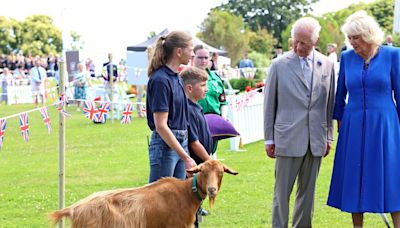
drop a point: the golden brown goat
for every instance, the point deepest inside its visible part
(168, 202)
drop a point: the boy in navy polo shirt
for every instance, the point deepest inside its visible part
(200, 141)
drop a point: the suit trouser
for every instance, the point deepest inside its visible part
(286, 170)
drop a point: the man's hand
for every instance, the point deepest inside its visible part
(328, 148)
(270, 150)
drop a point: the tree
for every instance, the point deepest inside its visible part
(225, 31)
(330, 33)
(7, 35)
(151, 35)
(341, 15)
(76, 43)
(273, 15)
(40, 36)
(382, 11)
(262, 42)
(36, 35)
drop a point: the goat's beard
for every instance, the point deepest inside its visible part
(211, 201)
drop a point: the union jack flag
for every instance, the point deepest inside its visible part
(89, 110)
(127, 114)
(101, 116)
(24, 126)
(3, 124)
(60, 105)
(65, 113)
(61, 101)
(46, 118)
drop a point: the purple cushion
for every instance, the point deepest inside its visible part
(220, 128)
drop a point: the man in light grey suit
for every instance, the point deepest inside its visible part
(298, 106)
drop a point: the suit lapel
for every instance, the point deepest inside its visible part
(317, 71)
(294, 63)
(317, 74)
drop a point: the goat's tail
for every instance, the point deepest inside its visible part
(58, 215)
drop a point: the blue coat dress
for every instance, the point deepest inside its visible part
(366, 172)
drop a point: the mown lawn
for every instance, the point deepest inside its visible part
(109, 156)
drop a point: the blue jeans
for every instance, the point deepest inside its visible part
(164, 161)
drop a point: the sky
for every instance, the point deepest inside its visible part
(111, 26)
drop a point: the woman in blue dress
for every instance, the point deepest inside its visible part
(366, 169)
(81, 82)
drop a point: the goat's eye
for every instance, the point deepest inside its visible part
(221, 173)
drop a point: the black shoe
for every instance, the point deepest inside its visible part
(203, 212)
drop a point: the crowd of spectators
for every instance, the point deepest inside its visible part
(16, 70)
(19, 70)
(20, 65)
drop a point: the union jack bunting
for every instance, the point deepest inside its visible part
(127, 114)
(61, 101)
(3, 124)
(60, 105)
(46, 118)
(90, 110)
(65, 113)
(24, 126)
(142, 110)
(101, 116)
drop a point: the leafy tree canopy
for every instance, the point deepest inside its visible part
(381, 10)
(274, 15)
(37, 35)
(76, 43)
(227, 31)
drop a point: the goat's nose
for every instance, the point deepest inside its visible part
(212, 190)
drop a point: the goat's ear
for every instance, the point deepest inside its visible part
(195, 169)
(229, 170)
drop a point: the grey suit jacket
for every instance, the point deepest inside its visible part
(294, 116)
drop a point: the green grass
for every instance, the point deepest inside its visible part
(109, 156)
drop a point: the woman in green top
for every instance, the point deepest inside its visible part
(215, 100)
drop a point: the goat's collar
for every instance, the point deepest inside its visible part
(196, 190)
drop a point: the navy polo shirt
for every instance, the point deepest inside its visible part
(198, 130)
(165, 93)
(115, 71)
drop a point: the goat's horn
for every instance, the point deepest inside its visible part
(229, 170)
(195, 169)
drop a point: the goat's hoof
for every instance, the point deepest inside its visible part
(203, 212)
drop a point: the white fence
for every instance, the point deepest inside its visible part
(19, 94)
(246, 115)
